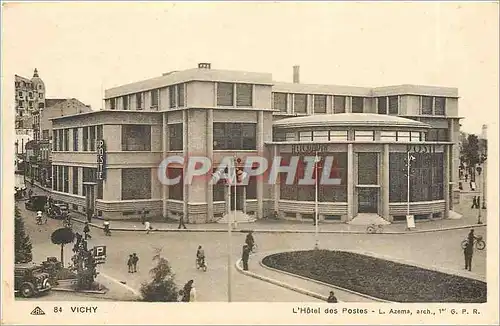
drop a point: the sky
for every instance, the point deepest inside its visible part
(80, 49)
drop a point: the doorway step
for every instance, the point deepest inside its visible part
(367, 219)
(239, 217)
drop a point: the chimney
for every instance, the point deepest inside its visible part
(204, 65)
(296, 74)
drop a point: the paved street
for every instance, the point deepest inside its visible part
(437, 248)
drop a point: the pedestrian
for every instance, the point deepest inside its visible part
(130, 263)
(78, 237)
(244, 257)
(30, 193)
(135, 260)
(466, 177)
(50, 201)
(469, 249)
(188, 292)
(86, 231)
(143, 216)
(107, 231)
(474, 202)
(181, 222)
(332, 298)
(249, 240)
(147, 227)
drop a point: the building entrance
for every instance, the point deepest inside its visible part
(240, 198)
(367, 200)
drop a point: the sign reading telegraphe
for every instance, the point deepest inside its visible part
(309, 148)
(101, 160)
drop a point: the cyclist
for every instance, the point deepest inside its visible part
(200, 256)
(39, 216)
(250, 241)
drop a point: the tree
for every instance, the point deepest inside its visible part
(22, 240)
(62, 237)
(471, 153)
(162, 287)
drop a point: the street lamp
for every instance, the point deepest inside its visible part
(317, 159)
(479, 209)
(409, 159)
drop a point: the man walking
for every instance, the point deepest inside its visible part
(86, 231)
(469, 249)
(181, 222)
(135, 260)
(130, 263)
(244, 257)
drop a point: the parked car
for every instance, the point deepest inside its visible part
(36, 203)
(30, 280)
(58, 211)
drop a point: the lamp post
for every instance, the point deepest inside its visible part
(409, 159)
(317, 159)
(479, 209)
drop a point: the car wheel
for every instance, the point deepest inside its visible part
(27, 290)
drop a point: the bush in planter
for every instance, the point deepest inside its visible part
(162, 287)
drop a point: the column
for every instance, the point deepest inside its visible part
(385, 183)
(276, 185)
(164, 144)
(260, 152)
(452, 178)
(185, 198)
(210, 146)
(350, 182)
(446, 181)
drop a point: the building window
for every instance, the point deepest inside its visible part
(305, 136)
(112, 103)
(85, 139)
(75, 180)
(319, 103)
(362, 135)
(30, 104)
(176, 191)
(88, 175)
(388, 136)
(40, 95)
(357, 104)
(439, 106)
(136, 138)
(154, 98)
(30, 94)
(21, 104)
(414, 136)
(382, 105)
(171, 96)
(138, 101)
(225, 94)
(175, 137)
(66, 139)
(339, 104)
(219, 189)
(300, 103)
(280, 101)
(180, 95)
(60, 178)
(136, 184)
(66, 179)
(41, 105)
(60, 135)
(437, 135)
(244, 95)
(92, 138)
(39, 86)
(20, 94)
(336, 135)
(426, 177)
(393, 105)
(320, 135)
(403, 136)
(54, 141)
(240, 136)
(426, 103)
(126, 102)
(367, 168)
(45, 134)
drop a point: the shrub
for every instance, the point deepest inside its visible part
(162, 287)
(22, 240)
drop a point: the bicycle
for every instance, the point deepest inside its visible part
(201, 264)
(480, 244)
(253, 249)
(375, 228)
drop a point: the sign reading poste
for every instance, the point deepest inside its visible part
(101, 160)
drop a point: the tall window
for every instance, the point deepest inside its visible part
(440, 106)
(85, 138)
(92, 138)
(54, 140)
(171, 96)
(61, 139)
(357, 104)
(88, 175)
(138, 101)
(60, 178)
(219, 189)
(176, 191)
(54, 177)
(75, 180)
(339, 104)
(437, 135)
(244, 95)
(66, 139)
(225, 94)
(280, 101)
(319, 103)
(367, 168)
(154, 98)
(45, 134)
(136, 184)
(393, 105)
(136, 138)
(240, 136)
(112, 103)
(180, 95)
(66, 179)
(382, 105)
(426, 105)
(175, 137)
(300, 103)
(125, 102)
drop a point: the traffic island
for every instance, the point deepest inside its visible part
(378, 278)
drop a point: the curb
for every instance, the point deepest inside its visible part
(285, 231)
(76, 291)
(326, 284)
(279, 283)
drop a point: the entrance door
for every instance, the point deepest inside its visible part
(240, 197)
(367, 200)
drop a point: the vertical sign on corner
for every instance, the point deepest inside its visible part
(101, 160)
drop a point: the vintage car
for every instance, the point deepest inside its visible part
(30, 280)
(58, 211)
(36, 203)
